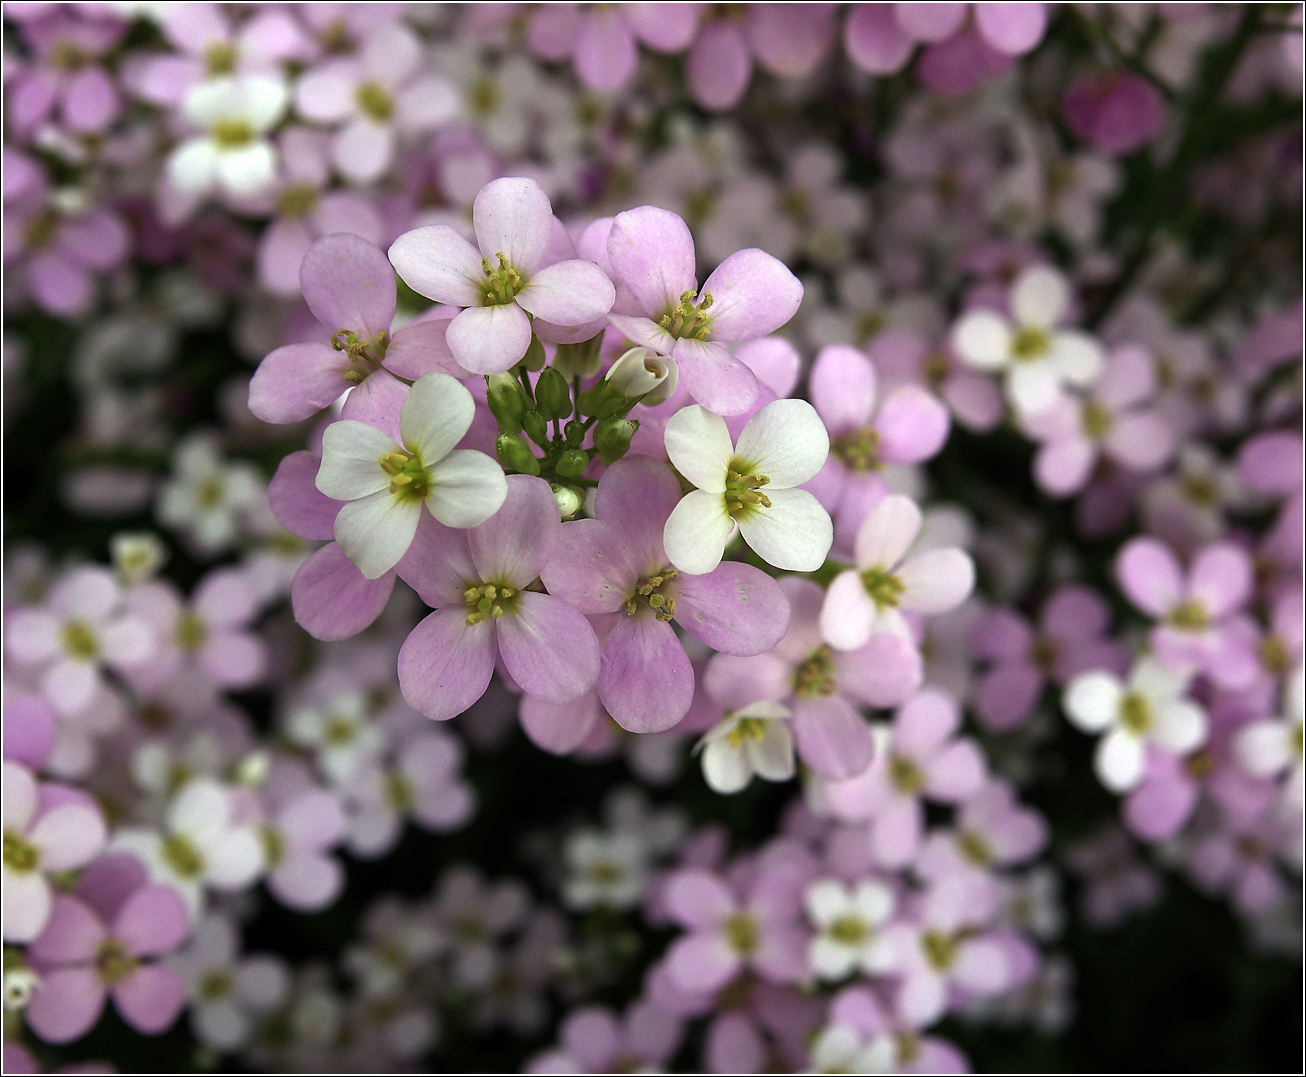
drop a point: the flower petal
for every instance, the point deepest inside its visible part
(887, 532)
(332, 599)
(439, 263)
(517, 542)
(351, 455)
(647, 682)
(295, 382)
(445, 664)
(376, 531)
(512, 216)
(753, 294)
(467, 488)
(714, 377)
(569, 293)
(436, 415)
(1092, 701)
(549, 649)
(489, 340)
(349, 284)
(697, 531)
(937, 580)
(735, 609)
(652, 256)
(786, 441)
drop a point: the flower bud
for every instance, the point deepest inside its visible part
(570, 500)
(536, 428)
(642, 374)
(506, 400)
(572, 463)
(534, 357)
(513, 452)
(552, 397)
(579, 360)
(612, 438)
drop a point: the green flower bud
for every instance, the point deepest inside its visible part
(513, 452)
(612, 438)
(534, 357)
(552, 397)
(573, 462)
(579, 360)
(604, 400)
(507, 402)
(570, 500)
(536, 428)
(574, 432)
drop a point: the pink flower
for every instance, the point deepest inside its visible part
(822, 687)
(1071, 638)
(602, 42)
(920, 755)
(350, 287)
(1195, 610)
(297, 838)
(993, 830)
(1111, 421)
(595, 1040)
(99, 943)
(375, 97)
(616, 564)
(514, 227)
(1116, 111)
(46, 828)
(747, 296)
(477, 581)
(1237, 857)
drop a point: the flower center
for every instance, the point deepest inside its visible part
(483, 97)
(935, 369)
(191, 631)
(297, 201)
(1190, 616)
(41, 229)
(1274, 656)
(232, 134)
(700, 205)
(814, 676)
(470, 928)
(336, 38)
(1135, 713)
(795, 203)
(742, 484)
(859, 451)
(940, 949)
(274, 846)
(398, 791)
(687, 319)
(1096, 419)
(339, 731)
(375, 102)
(20, 983)
(65, 56)
(604, 872)
(905, 775)
(220, 59)
(113, 963)
(80, 641)
(181, 855)
(741, 932)
(745, 730)
(502, 284)
(650, 593)
(489, 600)
(883, 586)
(849, 930)
(216, 984)
(1044, 653)
(208, 494)
(1200, 490)
(1029, 343)
(408, 478)
(974, 848)
(20, 856)
(1200, 764)
(365, 357)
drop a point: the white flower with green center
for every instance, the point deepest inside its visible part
(386, 484)
(848, 926)
(751, 740)
(1037, 357)
(749, 487)
(1149, 707)
(605, 869)
(234, 154)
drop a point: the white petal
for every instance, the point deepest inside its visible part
(436, 415)
(467, 488)
(26, 901)
(351, 454)
(795, 533)
(830, 960)
(376, 531)
(1119, 761)
(1033, 386)
(1180, 726)
(1157, 681)
(772, 757)
(439, 263)
(1039, 297)
(193, 166)
(887, 532)
(937, 580)
(786, 441)
(699, 445)
(200, 811)
(873, 901)
(1077, 357)
(1264, 748)
(725, 769)
(983, 340)
(247, 170)
(697, 531)
(1092, 701)
(825, 901)
(18, 791)
(848, 613)
(235, 860)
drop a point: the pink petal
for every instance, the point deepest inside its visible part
(930, 22)
(714, 377)
(512, 216)
(299, 506)
(68, 836)
(332, 599)
(569, 293)
(295, 382)
(605, 54)
(831, 737)
(937, 580)
(421, 348)
(152, 921)
(698, 900)
(957, 772)
(753, 294)
(439, 263)
(874, 41)
(67, 1004)
(913, 426)
(842, 386)
(445, 664)
(1141, 440)
(924, 722)
(1007, 695)
(652, 257)
(560, 728)
(151, 999)
(349, 284)
(1221, 578)
(489, 340)
(1149, 575)
(719, 66)
(517, 542)
(1013, 29)
(735, 609)
(702, 962)
(549, 648)
(307, 882)
(646, 682)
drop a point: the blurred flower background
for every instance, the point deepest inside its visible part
(680, 537)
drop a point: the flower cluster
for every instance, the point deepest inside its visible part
(828, 417)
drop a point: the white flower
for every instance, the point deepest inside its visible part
(204, 843)
(605, 869)
(1037, 358)
(643, 374)
(840, 1049)
(207, 498)
(137, 556)
(1149, 707)
(386, 485)
(868, 600)
(749, 487)
(1274, 745)
(227, 992)
(342, 733)
(847, 925)
(236, 113)
(751, 740)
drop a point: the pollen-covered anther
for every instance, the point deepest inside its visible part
(742, 492)
(487, 600)
(501, 284)
(649, 589)
(688, 320)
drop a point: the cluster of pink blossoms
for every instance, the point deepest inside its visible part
(385, 378)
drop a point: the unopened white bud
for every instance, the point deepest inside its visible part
(570, 501)
(20, 984)
(253, 769)
(137, 555)
(641, 372)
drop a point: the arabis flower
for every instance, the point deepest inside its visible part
(1148, 708)
(749, 487)
(1037, 357)
(504, 283)
(847, 923)
(386, 484)
(751, 740)
(234, 154)
(868, 600)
